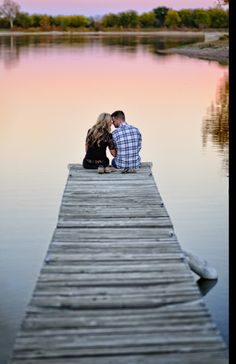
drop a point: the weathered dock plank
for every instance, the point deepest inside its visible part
(115, 286)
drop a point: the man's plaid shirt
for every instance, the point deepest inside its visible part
(127, 140)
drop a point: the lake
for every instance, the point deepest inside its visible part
(53, 87)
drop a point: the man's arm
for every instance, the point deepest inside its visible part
(113, 150)
(140, 142)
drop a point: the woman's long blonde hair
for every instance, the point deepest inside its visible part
(100, 131)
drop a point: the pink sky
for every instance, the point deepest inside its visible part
(99, 7)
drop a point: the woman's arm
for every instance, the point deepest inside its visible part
(113, 152)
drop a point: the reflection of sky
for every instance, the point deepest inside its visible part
(63, 86)
(64, 92)
(52, 96)
(95, 7)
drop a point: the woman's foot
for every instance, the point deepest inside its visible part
(107, 169)
(101, 169)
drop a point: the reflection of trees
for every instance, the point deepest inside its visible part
(11, 46)
(152, 43)
(215, 125)
(10, 53)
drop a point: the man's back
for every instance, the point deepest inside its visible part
(127, 140)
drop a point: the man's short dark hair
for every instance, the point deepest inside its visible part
(118, 114)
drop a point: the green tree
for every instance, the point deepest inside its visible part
(160, 14)
(219, 18)
(172, 19)
(128, 19)
(110, 20)
(24, 20)
(201, 18)
(147, 20)
(61, 21)
(187, 19)
(9, 10)
(4, 23)
(78, 21)
(36, 19)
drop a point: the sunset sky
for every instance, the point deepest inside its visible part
(100, 7)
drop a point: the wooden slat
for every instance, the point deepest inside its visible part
(115, 286)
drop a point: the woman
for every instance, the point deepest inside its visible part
(98, 139)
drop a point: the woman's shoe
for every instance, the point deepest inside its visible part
(107, 169)
(101, 169)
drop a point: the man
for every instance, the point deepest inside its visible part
(127, 141)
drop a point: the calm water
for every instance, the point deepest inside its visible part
(52, 89)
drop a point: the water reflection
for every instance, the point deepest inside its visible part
(215, 125)
(67, 82)
(205, 285)
(10, 54)
(11, 47)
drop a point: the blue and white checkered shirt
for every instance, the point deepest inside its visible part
(127, 140)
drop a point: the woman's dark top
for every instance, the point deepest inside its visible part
(96, 155)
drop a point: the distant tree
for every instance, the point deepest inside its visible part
(160, 14)
(110, 20)
(9, 10)
(36, 18)
(147, 20)
(128, 19)
(45, 22)
(187, 19)
(201, 18)
(77, 21)
(4, 23)
(96, 23)
(219, 18)
(172, 19)
(24, 20)
(61, 21)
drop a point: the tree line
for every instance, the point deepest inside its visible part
(160, 17)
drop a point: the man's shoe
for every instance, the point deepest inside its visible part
(101, 169)
(129, 170)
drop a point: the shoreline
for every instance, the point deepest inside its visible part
(211, 34)
(215, 50)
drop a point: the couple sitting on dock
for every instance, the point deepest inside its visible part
(124, 144)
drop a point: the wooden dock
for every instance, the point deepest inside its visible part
(115, 286)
